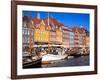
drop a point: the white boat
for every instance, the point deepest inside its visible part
(48, 58)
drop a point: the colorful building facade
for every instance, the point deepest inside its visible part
(51, 32)
(71, 38)
(55, 29)
(76, 37)
(83, 32)
(79, 37)
(68, 37)
(41, 34)
(58, 35)
(65, 37)
(27, 33)
(87, 41)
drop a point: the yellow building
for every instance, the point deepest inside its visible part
(40, 33)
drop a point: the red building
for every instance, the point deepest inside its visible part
(79, 37)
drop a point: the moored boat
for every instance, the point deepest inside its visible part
(49, 58)
(29, 63)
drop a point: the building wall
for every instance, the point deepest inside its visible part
(71, 39)
(25, 34)
(80, 37)
(65, 38)
(59, 36)
(76, 39)
(83, 39)
(80, 40)
(87, 41)
(41, 34)
(52, 37)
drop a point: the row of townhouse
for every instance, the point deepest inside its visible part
(81, 37)
(53, 33)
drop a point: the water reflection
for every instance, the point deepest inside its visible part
(76, 61)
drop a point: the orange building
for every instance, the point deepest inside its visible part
(55, 30)
(76, 37)
(59, 35)
(52, 31)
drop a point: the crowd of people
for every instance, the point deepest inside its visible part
(40, 51)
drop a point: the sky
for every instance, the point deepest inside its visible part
(67, 19)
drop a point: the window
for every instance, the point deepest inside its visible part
(23, 39)
(39, 31)
(27, 40)
(32, 23)
(35, 38)
(24, 24)
(27, 32)
(22, 31)
(56, 27)
(60, 28)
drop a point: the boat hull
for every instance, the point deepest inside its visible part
(33, 64)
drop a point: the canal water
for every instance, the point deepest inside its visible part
(74, 61)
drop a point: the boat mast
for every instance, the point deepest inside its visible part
(49, 34)
(30, 35)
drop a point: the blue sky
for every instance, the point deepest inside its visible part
(68, 19)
